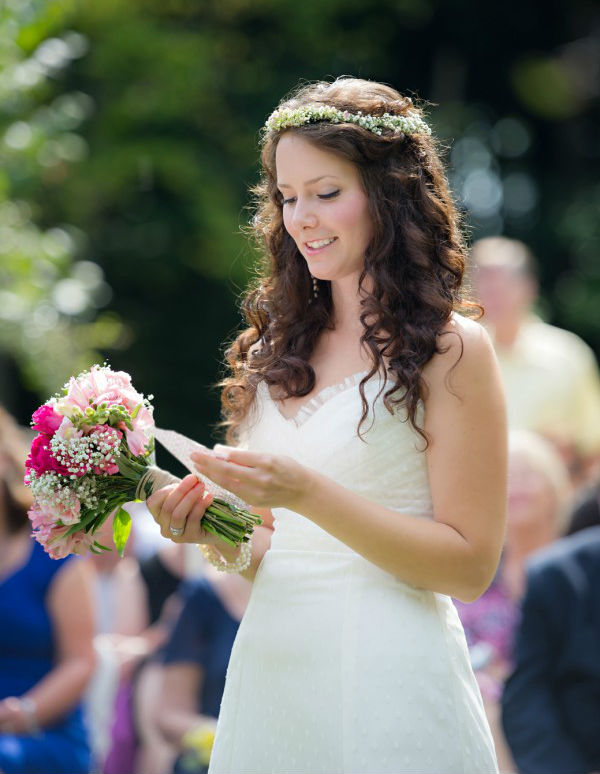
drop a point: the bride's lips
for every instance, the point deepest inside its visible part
(315, 250)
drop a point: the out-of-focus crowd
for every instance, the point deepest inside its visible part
(118, 665)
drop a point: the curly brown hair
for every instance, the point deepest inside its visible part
(415, 261)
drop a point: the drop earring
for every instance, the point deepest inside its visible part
(315, 285)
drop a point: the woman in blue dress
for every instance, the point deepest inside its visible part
(46, 647)
(195, 664)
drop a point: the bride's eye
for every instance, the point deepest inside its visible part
(331, 195)
(291, 200)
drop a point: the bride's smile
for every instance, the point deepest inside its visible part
(325, 209)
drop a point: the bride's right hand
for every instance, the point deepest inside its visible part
(178, 510)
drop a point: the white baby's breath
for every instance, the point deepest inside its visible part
(285, 118)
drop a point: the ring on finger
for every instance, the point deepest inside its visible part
(176, 531)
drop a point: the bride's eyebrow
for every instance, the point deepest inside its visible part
(309, 182)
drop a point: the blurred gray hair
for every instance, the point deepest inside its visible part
(543, 457)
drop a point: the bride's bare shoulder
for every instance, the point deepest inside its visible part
(464, 351)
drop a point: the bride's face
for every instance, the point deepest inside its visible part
(325, 209)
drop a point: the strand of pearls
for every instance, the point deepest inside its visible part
(241, 563)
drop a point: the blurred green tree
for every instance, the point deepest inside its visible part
(174, 93)
(48, 298)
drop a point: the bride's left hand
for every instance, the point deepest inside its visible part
(263, 480)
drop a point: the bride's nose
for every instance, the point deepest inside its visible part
(304, 215)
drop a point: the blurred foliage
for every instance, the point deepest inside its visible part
(48, 298)
(141, 133)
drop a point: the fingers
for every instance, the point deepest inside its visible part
(239, 456)
(229, 475)
(171, 506)
(180, 506)
(193, 532)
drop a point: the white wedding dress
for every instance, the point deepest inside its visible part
(339, 666)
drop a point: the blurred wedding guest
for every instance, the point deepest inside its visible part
(135, 742)
(550, 375)
(538, 500)
(195, 664)
(120, 617)
(586, 512)
(131, 624)
(551, 701)
(46, 653)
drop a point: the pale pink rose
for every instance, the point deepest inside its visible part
(80, 392)
(81, 542)
(144, 419)
(136, 440)
(58, 544)
(120, 379)
(69, 512)
(128, 398)
(67, 430)
(98, 380)
(40, 517)
(46, 516)
(53, 536)
(110, 397)
(46, 420)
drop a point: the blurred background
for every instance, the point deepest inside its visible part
(129, 139)
(128, 143)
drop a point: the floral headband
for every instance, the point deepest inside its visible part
(284, 118)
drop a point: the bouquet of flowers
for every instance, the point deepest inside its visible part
(92, 455)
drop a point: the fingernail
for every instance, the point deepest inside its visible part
(220, 451)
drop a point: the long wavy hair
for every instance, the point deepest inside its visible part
(414, 263)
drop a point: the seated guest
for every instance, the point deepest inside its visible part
(195, 664)
(46, 651)
(551, 701)
(538, 497)
(586, 512)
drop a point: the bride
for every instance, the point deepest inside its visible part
(366, 424)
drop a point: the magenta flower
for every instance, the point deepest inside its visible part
(41, 459)
(46, 420)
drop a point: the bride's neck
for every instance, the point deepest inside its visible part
(347, 305)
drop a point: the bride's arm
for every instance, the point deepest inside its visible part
(457, 551)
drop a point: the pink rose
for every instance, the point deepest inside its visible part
(46, 420)
(80, 392)
(128, 398)
(41, 518)
(58, 544)
(53, 536)
(97, 380)
(121, 378)
(105, 434)
(109, 397)
(41, 459)
(67, 430)
(69, 512)
(144, 419)
(137, 441)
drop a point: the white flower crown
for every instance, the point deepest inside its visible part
(284, 118)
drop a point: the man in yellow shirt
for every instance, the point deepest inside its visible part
(550, 375)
